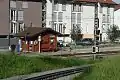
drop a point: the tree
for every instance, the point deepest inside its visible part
(76, 33)
(113, 32)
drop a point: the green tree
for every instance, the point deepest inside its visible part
(113, 32)
(76, 33)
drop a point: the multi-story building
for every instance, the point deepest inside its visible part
(63, 16)
(15, 15)
(117, 15)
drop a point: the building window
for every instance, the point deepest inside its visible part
(13, 28)
(63, 7)
(76, 8)
(20, 15)
(44, 16)
(101, 9)
(104, 18)
(21, 27)
(73, 18)
(108, 10)
(24, 4)
(103, 28)
(79, 8)
(108, 18)
(60, 16)
(55, 16)
(13, 4)
(56, 6)
(55, 27)
(60, 28)
(79, 18)
(13, 15)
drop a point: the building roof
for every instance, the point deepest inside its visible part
(107, 2)
(34, 31)
(32, 0)
(100, 1)
(117, 7)
(91, 1)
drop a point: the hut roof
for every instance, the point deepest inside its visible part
(33, 31)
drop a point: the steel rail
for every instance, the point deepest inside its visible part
(55, 75)
(89, 53)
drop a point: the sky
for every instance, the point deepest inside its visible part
(118, 1)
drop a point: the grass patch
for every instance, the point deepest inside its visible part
(12, 65)
(108, 69)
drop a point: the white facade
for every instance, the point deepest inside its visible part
(106, 19)
(66, 19)
(86, 14)
(117, 18)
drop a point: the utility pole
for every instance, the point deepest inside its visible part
(96, 26)
(9, 26)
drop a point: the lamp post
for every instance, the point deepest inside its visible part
(39, 39)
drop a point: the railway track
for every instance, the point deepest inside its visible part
(62, 73)
(89, 53)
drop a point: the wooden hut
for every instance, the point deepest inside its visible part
(36, 39)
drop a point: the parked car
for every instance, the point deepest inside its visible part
(60, 43)
(87, 41)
